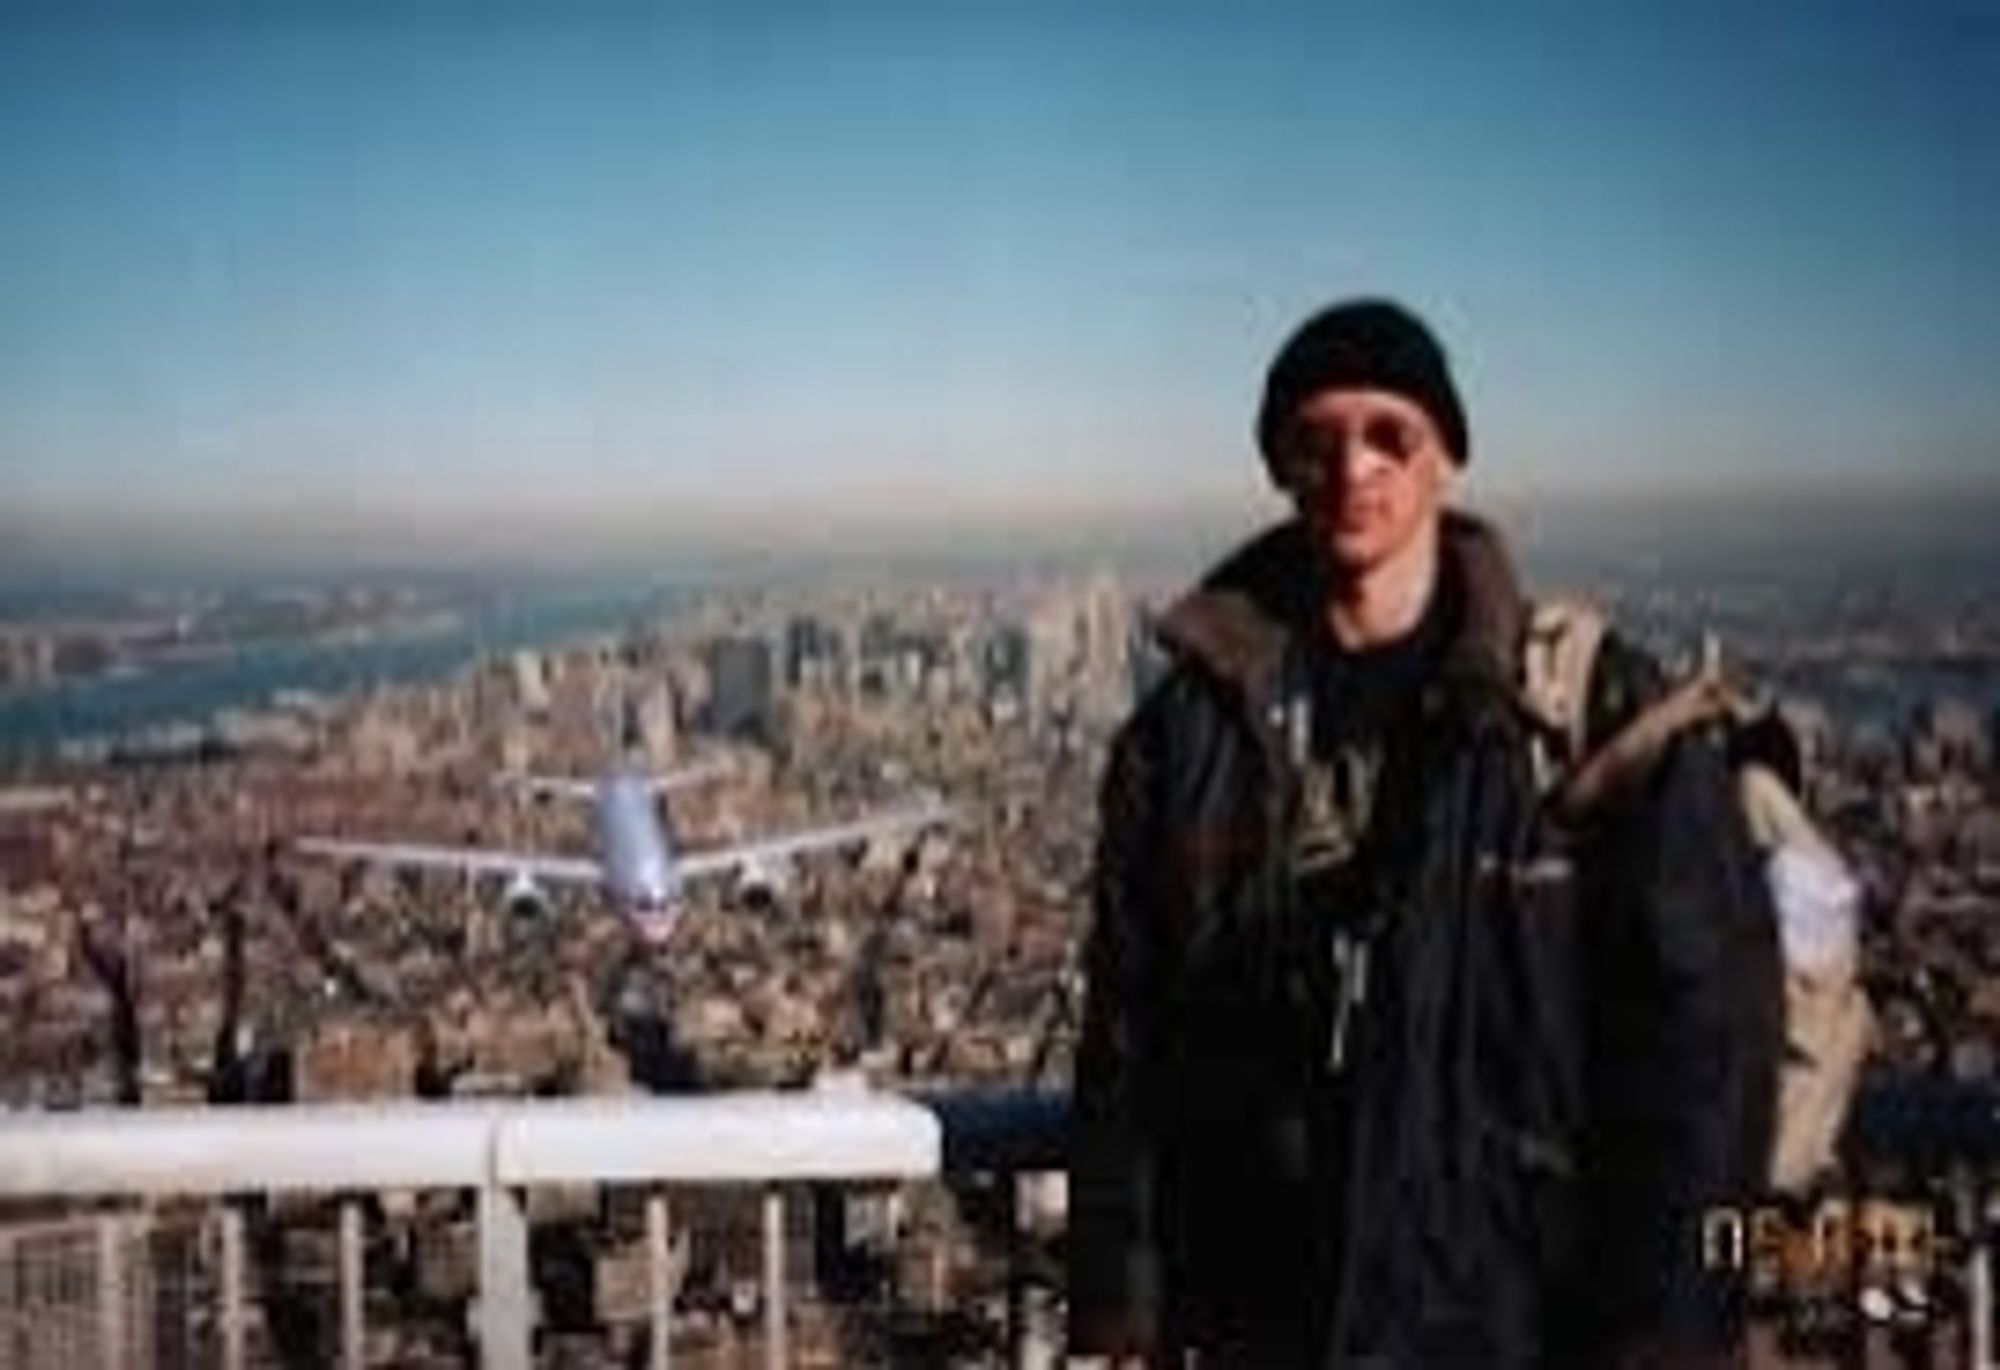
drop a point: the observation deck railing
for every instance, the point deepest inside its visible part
(499, 1150)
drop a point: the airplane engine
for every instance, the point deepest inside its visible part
(763, 883)
(525, 901)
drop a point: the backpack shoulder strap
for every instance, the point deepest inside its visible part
(1635, 749)
(1557, 659)
(1565, 639)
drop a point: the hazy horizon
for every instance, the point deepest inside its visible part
(1782, 523)
(320, 280)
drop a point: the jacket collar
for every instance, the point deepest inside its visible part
(1240, 623)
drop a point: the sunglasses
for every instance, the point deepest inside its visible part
(1312, 454)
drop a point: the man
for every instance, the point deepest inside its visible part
(1382, 1064)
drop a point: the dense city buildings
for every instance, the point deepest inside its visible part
(161, 942)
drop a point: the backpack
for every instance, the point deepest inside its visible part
(1828, 1022)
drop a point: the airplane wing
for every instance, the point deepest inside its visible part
(685, 776)
(551, 786)
(471, 860)
(722, 860)
(570, 787)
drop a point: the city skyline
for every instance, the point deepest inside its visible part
(430, 286)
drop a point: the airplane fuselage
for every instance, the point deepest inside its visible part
(637, 864)
(637, 853)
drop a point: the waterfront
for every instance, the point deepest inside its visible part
(39, 721)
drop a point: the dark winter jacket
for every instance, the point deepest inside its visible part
(1567, 1049)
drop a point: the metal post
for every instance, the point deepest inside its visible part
(1017, 1289)
(1970, 1219)
(662, 1280)
(505, 1299)
(776, 1354)
(1980, 1288)
(111, 1291)
(1033, 1345)
(1979, 1291)
(353, 1353)
(232, 1288)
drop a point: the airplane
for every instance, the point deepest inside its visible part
(637, 865)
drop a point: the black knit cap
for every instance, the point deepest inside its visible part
(1363, 345)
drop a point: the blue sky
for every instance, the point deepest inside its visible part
(341, 267)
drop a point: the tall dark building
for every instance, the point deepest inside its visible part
(739, 701)
(814, 653)
(1004, 663)
(877, 655)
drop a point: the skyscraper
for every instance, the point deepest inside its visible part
(739, 702)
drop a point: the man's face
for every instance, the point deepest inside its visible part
(1368, 471)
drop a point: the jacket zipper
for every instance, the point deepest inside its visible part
(1288, 726)
(1350, 973)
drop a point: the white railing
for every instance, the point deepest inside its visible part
(496, 1150)
(499, 1150)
